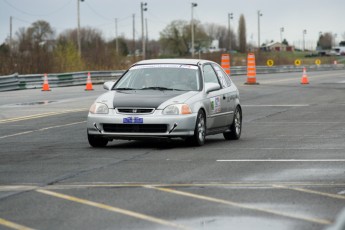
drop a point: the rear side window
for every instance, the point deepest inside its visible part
(224, 79)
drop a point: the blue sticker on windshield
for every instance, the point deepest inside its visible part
(133, 120)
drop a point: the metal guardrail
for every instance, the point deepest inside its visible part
(33, 81)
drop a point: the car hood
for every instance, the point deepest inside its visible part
(145, 98)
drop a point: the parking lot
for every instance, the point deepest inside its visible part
(286, 172)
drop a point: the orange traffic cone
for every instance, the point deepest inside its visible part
(304, 79)
(88, 82)
(251, 70)
(45, 86)
(225, 63)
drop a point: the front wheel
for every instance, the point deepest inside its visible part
(96, 141)
(198, 139)
(235, 127)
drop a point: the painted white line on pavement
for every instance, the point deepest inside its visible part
(42, 129)
(302, 148)
(296, 105)
(283, 160)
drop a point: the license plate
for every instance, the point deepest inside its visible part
(133, 120)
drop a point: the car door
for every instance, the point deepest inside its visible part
(230, 92)
(216, 101)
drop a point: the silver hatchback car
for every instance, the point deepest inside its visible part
(167, 98)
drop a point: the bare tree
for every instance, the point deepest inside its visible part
(33, 48)
(220, 33)
(93, 45)
(40, 31)
(325, 41)
(173, 39)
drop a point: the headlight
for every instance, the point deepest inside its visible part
(99, 108)
(177, 109)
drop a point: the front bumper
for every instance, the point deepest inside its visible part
(138, 126)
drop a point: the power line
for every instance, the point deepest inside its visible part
(106, 18)
(95, 12)
(21, 20)
(37, 15)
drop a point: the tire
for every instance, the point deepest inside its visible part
(96, 141)
(235, 127)
(198, 139)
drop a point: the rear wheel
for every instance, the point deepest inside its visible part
(235, 127)
(96, 141)
(198, 139)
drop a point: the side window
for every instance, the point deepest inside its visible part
(209, 74)
(223, 77)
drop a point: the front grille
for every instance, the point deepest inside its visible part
(135, 110)
(135, 128)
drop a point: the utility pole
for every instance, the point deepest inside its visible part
(11, 33)
(230, 16)
(133, 34)
(304, 33)
(143, 8)
(259, 15)
(116, 37)
(147, 34)
(281, 38)
(192, 27)
(78, 30)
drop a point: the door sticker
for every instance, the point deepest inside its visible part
(215, 104)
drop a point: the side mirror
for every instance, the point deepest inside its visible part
(209, 87)
(108, 85)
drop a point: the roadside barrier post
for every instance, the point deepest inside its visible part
(251, 70)
(225, 63)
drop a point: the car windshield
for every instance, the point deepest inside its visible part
(161, 77)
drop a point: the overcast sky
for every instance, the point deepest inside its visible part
(314, 16)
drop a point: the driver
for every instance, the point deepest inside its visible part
(148, 81)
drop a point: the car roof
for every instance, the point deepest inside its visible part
(172, 61)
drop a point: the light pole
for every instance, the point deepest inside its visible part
(230, 16)
(143, 8)
(78, 30)
(192, 27)
(319, 40)
(11, 41)
(281, 38)
(335, 37)
(116, 37)
(259, 15)
(304, 33)
(281, 34)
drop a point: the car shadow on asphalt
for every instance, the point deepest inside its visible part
(159, 144)
(149, 144)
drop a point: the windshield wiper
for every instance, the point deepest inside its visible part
(124, 88)
(160, 88)
(157, 88)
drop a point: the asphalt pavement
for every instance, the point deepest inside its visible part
(286, 172)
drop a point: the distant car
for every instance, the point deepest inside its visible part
(167, 98)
